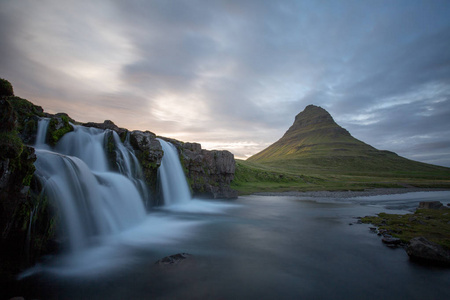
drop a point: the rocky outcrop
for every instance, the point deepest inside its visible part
(59, 125)
(422, 250)
(209, 172)
(149, 153)
(107, 124)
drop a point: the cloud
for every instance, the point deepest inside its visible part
(233, 74)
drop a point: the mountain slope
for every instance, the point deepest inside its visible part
(315, 143)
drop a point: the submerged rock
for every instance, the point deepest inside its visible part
(422, 250)
(173, 259)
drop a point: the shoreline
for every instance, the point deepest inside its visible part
(352, 194)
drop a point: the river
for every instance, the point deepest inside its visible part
(256, 247)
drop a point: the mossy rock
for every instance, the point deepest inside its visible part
(57, 128)
(6, 88)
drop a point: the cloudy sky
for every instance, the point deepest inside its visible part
(233, 74)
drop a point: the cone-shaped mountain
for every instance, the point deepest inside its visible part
(315, 141)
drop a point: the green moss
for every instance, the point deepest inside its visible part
(25, 108)
(432, 224)
(57, 128)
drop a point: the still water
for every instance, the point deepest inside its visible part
(256, 247)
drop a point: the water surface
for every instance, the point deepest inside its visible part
(257, 247)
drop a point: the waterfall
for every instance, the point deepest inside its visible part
(173, 182)
(93, 201)
(42, 133)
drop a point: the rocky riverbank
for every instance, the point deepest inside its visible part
(425, 234)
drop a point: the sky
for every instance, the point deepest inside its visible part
(234, 74)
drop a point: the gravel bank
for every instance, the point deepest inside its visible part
(351, 194)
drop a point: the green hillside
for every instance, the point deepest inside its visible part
(316, 153)
(315, 143)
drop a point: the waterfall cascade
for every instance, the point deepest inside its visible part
(93, 200)
(172, 179)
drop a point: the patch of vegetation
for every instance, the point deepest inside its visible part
(433, 224)
(251, 177)
(6, 88)
(11, 145)
(57, 128)
(25, 108)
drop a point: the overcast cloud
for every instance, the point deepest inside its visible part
(233, 74)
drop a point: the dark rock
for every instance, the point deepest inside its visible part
(210, 172)
(107, 124)
(391, 241)
(430, 205)
(7, 116)
(422, 250)
(173, 259)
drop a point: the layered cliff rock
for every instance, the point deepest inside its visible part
(209, 172)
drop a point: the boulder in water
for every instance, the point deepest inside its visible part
(422, 250)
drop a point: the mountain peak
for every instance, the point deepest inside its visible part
(313, 133)
(312, 115)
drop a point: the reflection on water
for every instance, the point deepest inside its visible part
(253, 248)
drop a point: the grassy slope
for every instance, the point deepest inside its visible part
(251, 177)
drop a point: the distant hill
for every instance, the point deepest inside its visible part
(315, 144)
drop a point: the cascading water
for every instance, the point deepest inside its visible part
(93, 200)
(42, 134)
(129, 166)
(173, 182)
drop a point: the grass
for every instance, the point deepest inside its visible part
(251, 177)
(432, 224)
